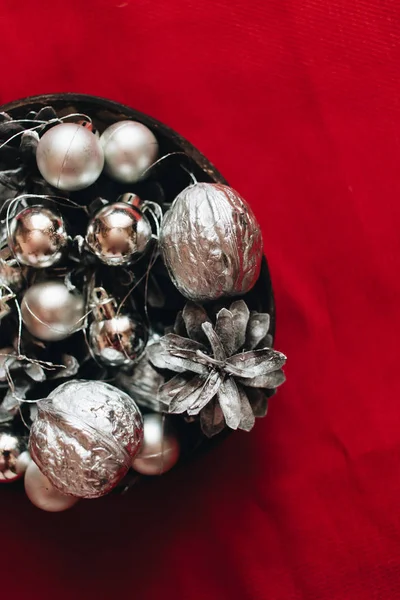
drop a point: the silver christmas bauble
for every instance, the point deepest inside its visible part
(14, 457)
(211, 243)
(119, 341)
(43, 494)
(85, 436)
(118, 233)
(129, 149)
(70, 157)
(37, 237)
(51, 312)
(160, 448)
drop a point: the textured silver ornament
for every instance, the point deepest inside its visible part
(51, 312)
(211, 243)
(14, 457)
(43, 494)
(85, 436)
(116, 339)
(129, 149)
(12, 275)
(70, 157)
(5, 298)
(118, 233)
(223, 370)
(37, 237)
(160, 450)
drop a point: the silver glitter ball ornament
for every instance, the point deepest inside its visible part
(85, 436)
(118, 233)
(116, 339)
(129, 149)
(70, 157)
(51, 312)
(14, 457)
(211, 243)
(37, 237)
(43, 494)
(160, 448)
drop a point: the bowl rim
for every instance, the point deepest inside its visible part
(118, 107)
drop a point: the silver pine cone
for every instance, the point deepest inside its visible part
(223, 370)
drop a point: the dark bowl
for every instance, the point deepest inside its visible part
(174, 178)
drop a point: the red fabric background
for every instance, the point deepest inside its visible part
(297, 102)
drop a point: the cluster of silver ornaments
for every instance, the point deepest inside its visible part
(71, 156)
(61, 273)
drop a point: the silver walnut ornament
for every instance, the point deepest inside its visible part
(211, 243)
(51, 312)
(37, 237)
(116, 339)
(14, 457)
(85, 436)
(43, 494)
(129, 149)
(160, 448)
(70, 157)
(118, 233)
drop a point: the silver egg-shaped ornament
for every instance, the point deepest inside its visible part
(37, 237)
(118, 233)
(160, 449)
(51, 312)
(14, 457)
(115, 338)
(70, 157)
(129, 149)
(85, 436)
(211, 243)
(43, 494)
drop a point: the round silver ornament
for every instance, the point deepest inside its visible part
(85, 436)
(160, 448)
(70, 157)
(129, 149)
(37, 237)
(43, 494)
(51, 312)
(118, 233)
(116, 339)
(13, 456)
(211, 242)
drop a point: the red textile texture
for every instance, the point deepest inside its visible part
(298, 104)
